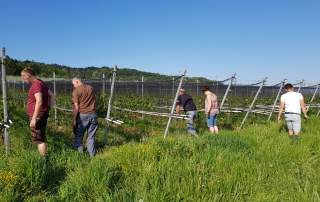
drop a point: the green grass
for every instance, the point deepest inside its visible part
(258, 163)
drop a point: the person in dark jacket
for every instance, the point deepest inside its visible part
(186, 102)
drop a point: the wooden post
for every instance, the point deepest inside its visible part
(4, 99)
(174, 104)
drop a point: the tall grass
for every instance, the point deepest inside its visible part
(259, 163)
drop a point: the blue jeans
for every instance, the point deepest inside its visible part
(86, 122)
(190, 122)
(211, 120)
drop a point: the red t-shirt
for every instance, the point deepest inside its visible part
(37, 87)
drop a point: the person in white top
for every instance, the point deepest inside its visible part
(292, 103)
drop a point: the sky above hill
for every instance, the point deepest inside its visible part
(254, 38)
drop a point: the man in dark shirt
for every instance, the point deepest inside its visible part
(84, 115)
(186, 102)
(40, 98)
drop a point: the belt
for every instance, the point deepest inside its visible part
(291, 113)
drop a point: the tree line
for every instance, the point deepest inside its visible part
(14, 67)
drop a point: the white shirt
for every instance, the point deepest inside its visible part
(292, 102)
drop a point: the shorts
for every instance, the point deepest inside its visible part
(212, 120)
(38, 134)
(293, 122)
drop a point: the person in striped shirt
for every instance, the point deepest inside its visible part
(211, 110)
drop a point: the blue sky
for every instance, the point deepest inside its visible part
(254, 38)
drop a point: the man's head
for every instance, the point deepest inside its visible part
(76, 82)
(28, 75)
(288, 87)
(182, 91)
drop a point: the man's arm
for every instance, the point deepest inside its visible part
(177, 108)
(303, 107)
(75, 112)
(281, 107)
(38, 97)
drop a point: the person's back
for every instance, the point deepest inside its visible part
(292, 102)
(211, 103)
(186, 102)
(84, 95)
(85, 117)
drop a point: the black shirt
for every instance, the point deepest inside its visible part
(186, 102)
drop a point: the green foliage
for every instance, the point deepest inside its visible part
(257, 164)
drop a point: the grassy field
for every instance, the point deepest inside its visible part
(258, 163)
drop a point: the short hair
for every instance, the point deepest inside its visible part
(288, 86)
(29, 71)
(205, 88)
(76, 79)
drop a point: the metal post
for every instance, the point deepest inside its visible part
(23, 87)
(137, 87)
(174, 104)
(300, 86)
(103, 83)
(277, 98)
(313, 96)
(197, 87)
(142, 90)
(253, 102)
(55, 95)
(4, 98)
(114, 73)
(227, 91)
(172, 86)
(142, 86)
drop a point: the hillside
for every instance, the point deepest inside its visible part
(14, 68)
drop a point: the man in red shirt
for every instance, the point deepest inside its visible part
(40, 98)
